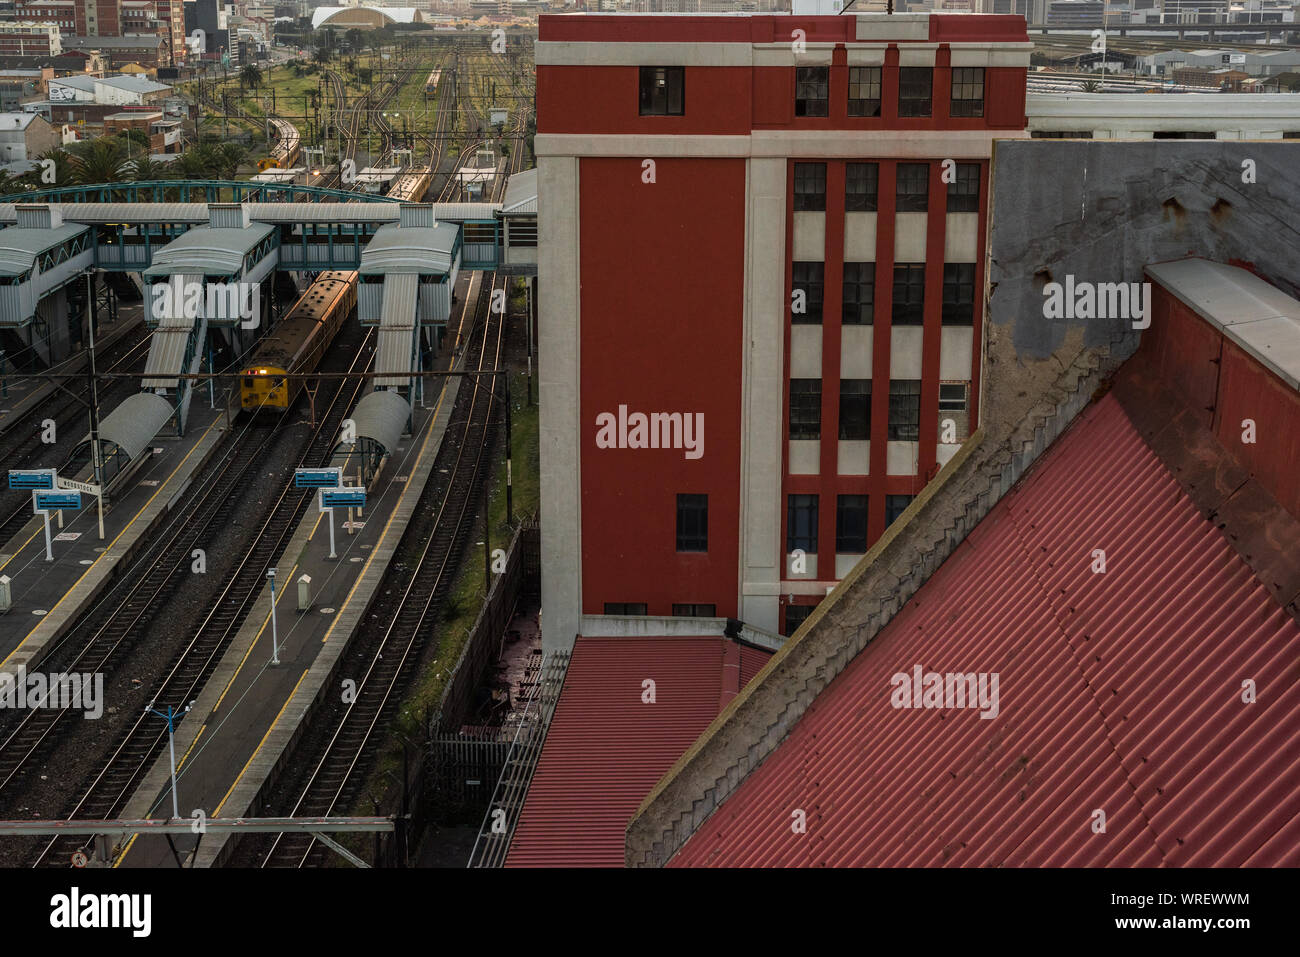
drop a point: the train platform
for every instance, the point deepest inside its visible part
(250, 713)
(251, 709)
(48, 596)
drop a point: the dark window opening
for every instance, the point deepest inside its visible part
(967, 91)
(913, 187)
(905, 410)
(958, 294)
(663, 90)
(964, 190)
(625, 608)
(809, 279)
(952, 397)
(801, 524)
(895, 505)
(796, 615)
(812, 90)
(861, 184)
(692, 523)
(695, 611)
(809, 186)
(851, 524)
(859, 294)
(908, 308)
(805, 408)
(864, 91)
(914, 86)
(855, 409)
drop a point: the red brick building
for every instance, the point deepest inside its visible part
(761, 285)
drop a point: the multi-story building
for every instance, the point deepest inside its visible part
(114, 19)
(27, 39)
(760, 279)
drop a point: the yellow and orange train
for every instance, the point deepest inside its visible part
(297, 342)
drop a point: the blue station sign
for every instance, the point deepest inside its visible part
(317, 478)
(343, 498)
(54, 501)
(28, 479)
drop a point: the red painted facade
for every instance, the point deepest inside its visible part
(667, 296)
(1225, 386)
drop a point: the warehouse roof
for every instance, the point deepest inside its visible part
(607, 746)
(1119, 694)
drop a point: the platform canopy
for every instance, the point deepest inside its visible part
(424, 251)
(381, 417)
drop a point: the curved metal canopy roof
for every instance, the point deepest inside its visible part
(209, 251)
(134, 423)
(382, 417)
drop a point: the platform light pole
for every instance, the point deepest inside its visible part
(96, 460)
(275, 637)
(170, 718)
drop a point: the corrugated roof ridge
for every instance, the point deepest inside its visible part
(986, 470)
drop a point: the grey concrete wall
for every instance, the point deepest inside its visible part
(1102, 211)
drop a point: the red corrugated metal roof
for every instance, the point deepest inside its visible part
(1119, 692)
(606, 748)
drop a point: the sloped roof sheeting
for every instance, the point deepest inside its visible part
(395, 350)
(426, 251)
(606, 747)
(521, 194)
(134, 423)
(1119, 691)
(168, 340)
(20, 246)
(208, 251)
(382, 416)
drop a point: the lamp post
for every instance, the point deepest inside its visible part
(275, 637)
(170, 718)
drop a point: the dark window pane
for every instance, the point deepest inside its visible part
(958, 294)
(860, 187)
(913, 187)
(809, 186)
(859, 294)
(692, 523)
(964, 190)
(808, 278)
(663, 90)
(914, 83)
(855, 409)
(801, 523)
(625, 608)
(811, 90)
(905, 410)
(895, 505)
(805, 408)
(796, 615)
(967, 91)
(952, 397)
(695, 611)
(864, 91)
(851, 524)
(908, 308)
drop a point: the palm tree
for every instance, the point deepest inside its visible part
(100, 161)
(251, 76)
(62, 168)
(227, 158)
(195, 162)
(1091, 86)
(146, 170)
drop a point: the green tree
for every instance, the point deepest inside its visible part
(99, 161)
(251, 76)
(146, 170)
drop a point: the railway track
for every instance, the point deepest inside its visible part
(389, 644)
(108, 638)
(21, 445)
